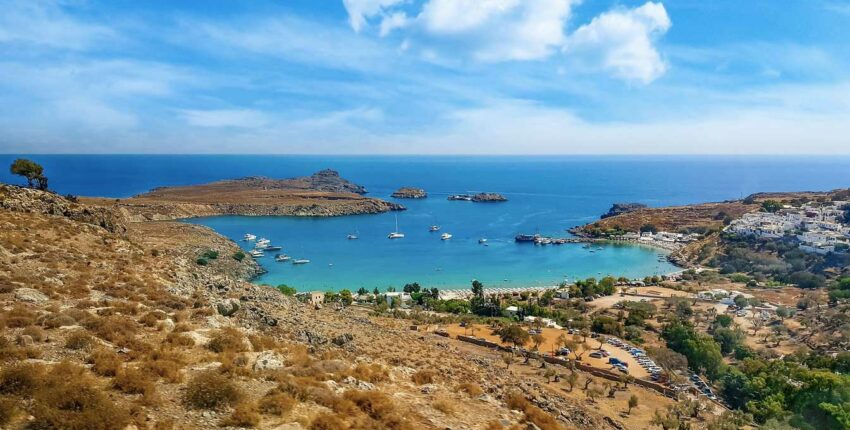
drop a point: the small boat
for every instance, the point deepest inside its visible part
(263, 242)
(256, 253)
(352, 237)
(445, 236)
(272, 248)
(483, 240)
(395, 234)
(434, 228)
(300, 261)
(249, 236)
(281, 258)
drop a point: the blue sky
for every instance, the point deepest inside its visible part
(425, 76)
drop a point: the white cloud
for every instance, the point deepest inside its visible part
(496, 30)
(360, 10)
(622, 42)
(44, 23)
(245, 118)
(392, 22)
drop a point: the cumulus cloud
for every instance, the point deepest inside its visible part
(622, 42)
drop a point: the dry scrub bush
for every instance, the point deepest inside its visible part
(444, 405)
(379, 407)
(68, 398)
(57, 320)
(327, 421)
(35, 332)
(373, 373)
(179, 339)
(7, 411)
(21, 379)
(18, 317)
(134, 381)
(210, 390)
(227, 339)
(262, 342)
(234, 364)
(276, 403)
(539, 417)
(164, 364)
(244, 415)
(78, 340)
(104, 362)
(423, 377)
(471, 389)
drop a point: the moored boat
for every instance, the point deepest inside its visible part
(445, 236)
(300, 261)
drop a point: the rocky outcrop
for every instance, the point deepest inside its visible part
(410, 193)
(621, 208)
(19, 199)
(330, 181)
(489, 197)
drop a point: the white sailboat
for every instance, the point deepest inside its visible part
(434, 228)
(445, 236)
(395, 234)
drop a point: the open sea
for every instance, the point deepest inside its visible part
(546, 194)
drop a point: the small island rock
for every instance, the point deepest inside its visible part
(410, 193)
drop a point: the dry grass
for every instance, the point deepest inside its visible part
(444, 405)
(244, 415)
(227, 339)
(533, 414)
(104, 362)
(79, 340)
(276, 403)
(328, 421)
(21, 379)
(373, 373)
(69, 398)
(134, 381)
(425, 376)
(8, 410)
(471, 389)
(211, 390)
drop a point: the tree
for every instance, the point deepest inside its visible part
(571, 379)
(633, 402)
(30, 170)
(412, 288)
(286, 290)
(508, 359)
(514, 334)
(771, 206)
(362, 291)
(345, 297)
(537, 339)
(376, 291)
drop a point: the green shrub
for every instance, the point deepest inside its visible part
(239, 256)
(202, 262)
(210, 255)
(286, 290)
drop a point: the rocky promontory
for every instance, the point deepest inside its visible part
(621, 208)
(410, 193)
(322, 194)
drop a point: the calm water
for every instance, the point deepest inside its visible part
(547, 194)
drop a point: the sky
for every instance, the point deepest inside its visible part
(425, 76)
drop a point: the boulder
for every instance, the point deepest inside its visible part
(30, 295)
(268, 360)
(342, 339)
(227, 307)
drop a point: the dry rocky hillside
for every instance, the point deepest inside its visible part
(324, 193)
(109, 324)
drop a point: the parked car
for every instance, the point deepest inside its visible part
(596, 354)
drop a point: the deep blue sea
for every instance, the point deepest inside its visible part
(546, 194)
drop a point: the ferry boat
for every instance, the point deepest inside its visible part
(256, 253)
(434, 228)
(445, 236)
(249, 237)
(281, 258)
(395, 234)
(300, 261)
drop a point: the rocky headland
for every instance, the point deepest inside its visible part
(621, 208)
(322, 194)
(410, 193)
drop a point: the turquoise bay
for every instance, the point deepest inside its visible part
(547, 194)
